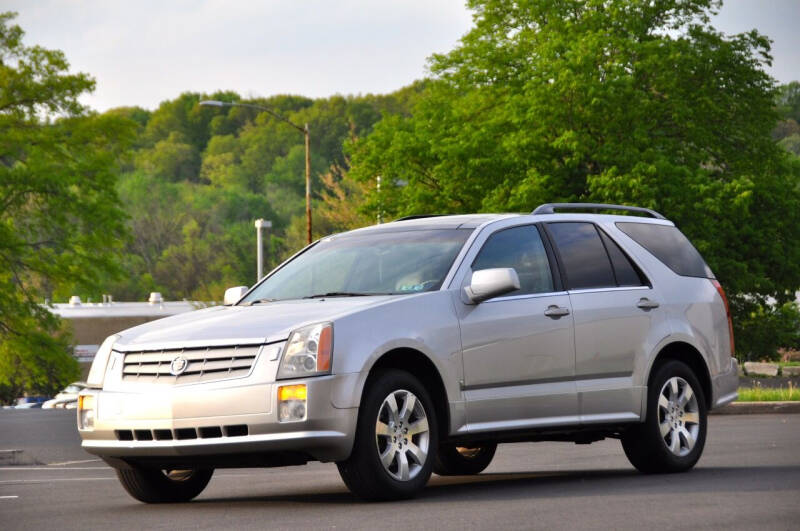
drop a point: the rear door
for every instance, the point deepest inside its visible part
(518, 349)
(614, 309)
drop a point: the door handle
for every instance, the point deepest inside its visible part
(556, 311)
(646, 304)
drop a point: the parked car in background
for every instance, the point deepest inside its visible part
(66, 399)
(417, 346)
(30, 402)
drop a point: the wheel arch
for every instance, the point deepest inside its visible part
(688, 354)
(421, 367)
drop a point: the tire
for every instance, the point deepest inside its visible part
(682, 418)
(164, 486)
(406, 440)
(452, 460)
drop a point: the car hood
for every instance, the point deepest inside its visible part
(240, 325)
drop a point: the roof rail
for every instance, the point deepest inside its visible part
(418, 216)
(550, 208)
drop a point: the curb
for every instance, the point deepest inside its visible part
(757, 408)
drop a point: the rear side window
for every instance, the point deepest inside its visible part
(522, 249)
(627, 274)
(583, 255)
(669, 245)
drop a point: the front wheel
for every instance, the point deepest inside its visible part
(164, 486)
(395, 440)
(674, 433)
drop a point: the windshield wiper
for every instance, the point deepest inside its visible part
(343, 294)
(258, 301)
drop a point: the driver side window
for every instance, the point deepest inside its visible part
(520, 248)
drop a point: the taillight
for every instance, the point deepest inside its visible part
(727, 309)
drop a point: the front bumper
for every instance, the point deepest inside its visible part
(725, 386)
(211, 421)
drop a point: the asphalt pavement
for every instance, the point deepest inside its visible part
(46, 436)
(748, 478)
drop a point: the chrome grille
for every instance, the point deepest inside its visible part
(202, 365)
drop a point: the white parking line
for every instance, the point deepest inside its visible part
(31, 481)
(74, 462)
(8, 497)
(26, 468)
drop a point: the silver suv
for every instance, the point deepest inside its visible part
(417, 346)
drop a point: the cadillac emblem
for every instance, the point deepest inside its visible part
(178, 366)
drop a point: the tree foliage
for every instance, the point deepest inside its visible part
(620, 101)
(765, 328)
(60, 220)
(788, 101)
(787, 132)
(198, 176)
(628, 101)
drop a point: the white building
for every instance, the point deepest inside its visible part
(91, 322)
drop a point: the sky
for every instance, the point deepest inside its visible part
(142, 52)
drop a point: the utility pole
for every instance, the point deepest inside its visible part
(308, 183)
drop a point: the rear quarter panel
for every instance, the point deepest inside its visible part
(694, 311)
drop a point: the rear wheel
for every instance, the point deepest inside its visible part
(674, 433)
(452, 460)
(164, 486)
(395, 441)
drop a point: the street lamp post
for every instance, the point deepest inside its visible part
(261, 224)
(380, 202)
(303, 129)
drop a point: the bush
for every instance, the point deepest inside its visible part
(760, 330)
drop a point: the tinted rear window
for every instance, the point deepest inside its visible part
(669, 245)
(627, 274)
(583, 255)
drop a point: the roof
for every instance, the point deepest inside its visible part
(458, 221)
(471, 221)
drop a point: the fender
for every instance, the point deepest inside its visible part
(673, 339)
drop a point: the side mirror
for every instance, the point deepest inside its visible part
(489, 283)
(232, 295)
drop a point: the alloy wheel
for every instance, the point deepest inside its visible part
(402, 435)
(678, 416)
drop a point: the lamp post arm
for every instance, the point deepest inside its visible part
(253, 106)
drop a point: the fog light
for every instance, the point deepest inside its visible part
(292, 403)
(86, 409)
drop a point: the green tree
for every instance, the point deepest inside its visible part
(788, 101)
(787, 132)
(171, 158)
(197, 177)
(766, 328)
(791, 144)
(60, 221)
(339, 209)
(623, 101)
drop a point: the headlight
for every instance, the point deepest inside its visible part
(98, 371)
(308, 352)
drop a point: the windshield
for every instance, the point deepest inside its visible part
(378, 263)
